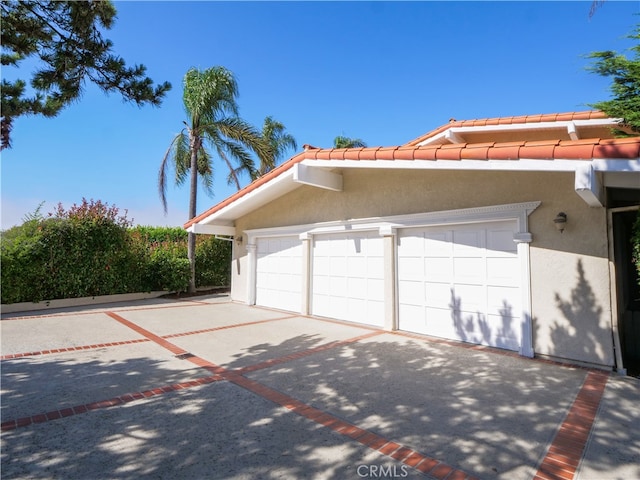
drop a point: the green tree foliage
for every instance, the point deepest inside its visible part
(275, 135)
(213, 262)
(66, 38)
(92, 250)
(83, 251)
(209, 99)
(346, 142)
(625, 73)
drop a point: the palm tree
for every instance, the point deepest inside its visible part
(273, 133)
(346, 142)
(209, 99)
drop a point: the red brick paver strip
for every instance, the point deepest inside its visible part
(226, 327)
(139, 340)
(560, 462)
(100, 312)
(566, 450)
(146, 333)
(306, 353)
(11, 356)
(126, 398)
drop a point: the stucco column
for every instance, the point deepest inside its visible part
(389, 246)
(306, 273)
(526, 328)
(251, 273)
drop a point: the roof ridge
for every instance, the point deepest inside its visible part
(512, 120)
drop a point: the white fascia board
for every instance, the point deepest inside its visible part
(519, 211)
(563, 125)
(453, 136)
(616, 165)
(530, 165)
(271, 190)
(212, 229)
(317, 177)
(621, 179)
(572, 131)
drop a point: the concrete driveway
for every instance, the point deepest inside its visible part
(208, 389)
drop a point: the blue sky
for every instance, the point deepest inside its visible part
(385, 72)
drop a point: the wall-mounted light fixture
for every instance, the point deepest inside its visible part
(560, 221)
(239, 240)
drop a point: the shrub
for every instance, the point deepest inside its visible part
(213, 262)
(91, 249)
(166, 271)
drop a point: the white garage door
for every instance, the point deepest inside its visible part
(461, 282)
(347, 278)
(278, 273)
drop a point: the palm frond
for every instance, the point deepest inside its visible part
(232, 177)
(162, 173)
(209, 93)
(182, 159)
(273, 133)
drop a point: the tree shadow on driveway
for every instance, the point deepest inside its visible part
(488, 414)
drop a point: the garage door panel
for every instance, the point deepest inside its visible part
(375, 313)
(503, 271)
(375, 289)
(436, 244)
(413, 243)
(436, 294)
(411, 267)
(278, 273)
(413, 317)
(467, 269)
(375, 267)
(347, 277)
(357, 287)
(356, 266)
(470, 298)
(462, 282)
(468, 242)
(338, 286)
(501, 241)
(503, 301)
(440, 323)
(374, 247)
(337, 266)
(438, 269)
(321, 284)
(410, 292)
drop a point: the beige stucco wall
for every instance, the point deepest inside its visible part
(569, 272)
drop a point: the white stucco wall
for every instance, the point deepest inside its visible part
(569, 272)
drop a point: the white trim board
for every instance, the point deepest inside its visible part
(386, 225)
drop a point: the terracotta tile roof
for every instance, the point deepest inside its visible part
(483, 122)
(584, 149)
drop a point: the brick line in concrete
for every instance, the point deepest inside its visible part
(139, 340)
(72, 349)
(423, 463)
(305, 353)
(226, 327)
(406, 455)
(185, 303)
(560, 462)
(119, 400)
(567, 448)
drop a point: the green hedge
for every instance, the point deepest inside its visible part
(92, 250)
